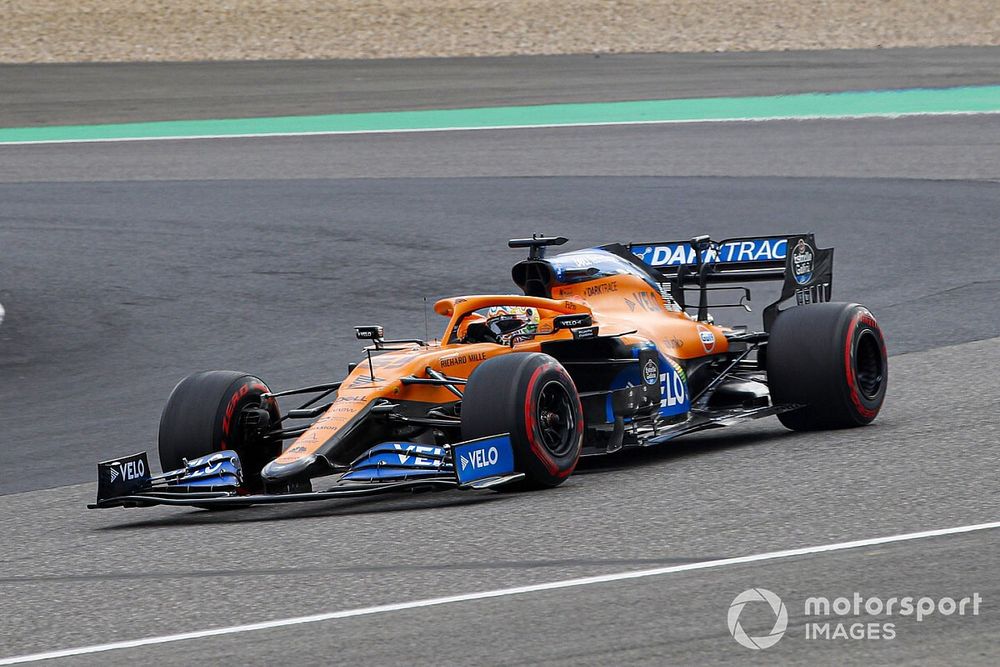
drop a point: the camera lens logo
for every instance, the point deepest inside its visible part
(780, 621)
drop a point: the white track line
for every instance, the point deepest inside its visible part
(503, 592)
(323, 133)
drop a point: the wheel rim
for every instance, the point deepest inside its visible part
(556, 418)
(870, 372)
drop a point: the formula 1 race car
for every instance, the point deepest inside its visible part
(601, 351)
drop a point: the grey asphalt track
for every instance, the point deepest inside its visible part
(262, 254)
(128, 92)
(927, 463)
(116, 290)
(947, 148)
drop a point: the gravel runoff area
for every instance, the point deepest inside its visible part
(182, 30)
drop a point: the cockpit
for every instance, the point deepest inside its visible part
(501, 324)
(508, 319)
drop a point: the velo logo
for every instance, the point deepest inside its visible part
(780, 620)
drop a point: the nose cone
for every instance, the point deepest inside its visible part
(276, 472)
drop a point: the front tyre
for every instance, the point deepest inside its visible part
(532, 397)
(202, 416)
(831, 358)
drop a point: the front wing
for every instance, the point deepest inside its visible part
(216, 480)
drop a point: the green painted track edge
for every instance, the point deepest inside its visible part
(882, 103)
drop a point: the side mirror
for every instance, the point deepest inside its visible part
(572, 321)
(372, 333)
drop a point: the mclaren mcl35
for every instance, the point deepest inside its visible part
(603, 349)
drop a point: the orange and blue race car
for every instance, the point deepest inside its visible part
(604, 348)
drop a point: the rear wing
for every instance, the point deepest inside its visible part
(702, 264)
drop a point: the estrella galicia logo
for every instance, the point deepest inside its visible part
(802, 262)
(780, 618)
(650, 372)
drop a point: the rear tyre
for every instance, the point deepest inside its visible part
(202, 416)
(532, 397)
(831, 358)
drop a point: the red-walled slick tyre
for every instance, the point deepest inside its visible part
(831, 358)
(202, 416)
(532, 397)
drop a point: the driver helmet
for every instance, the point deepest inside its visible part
(506, 322)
